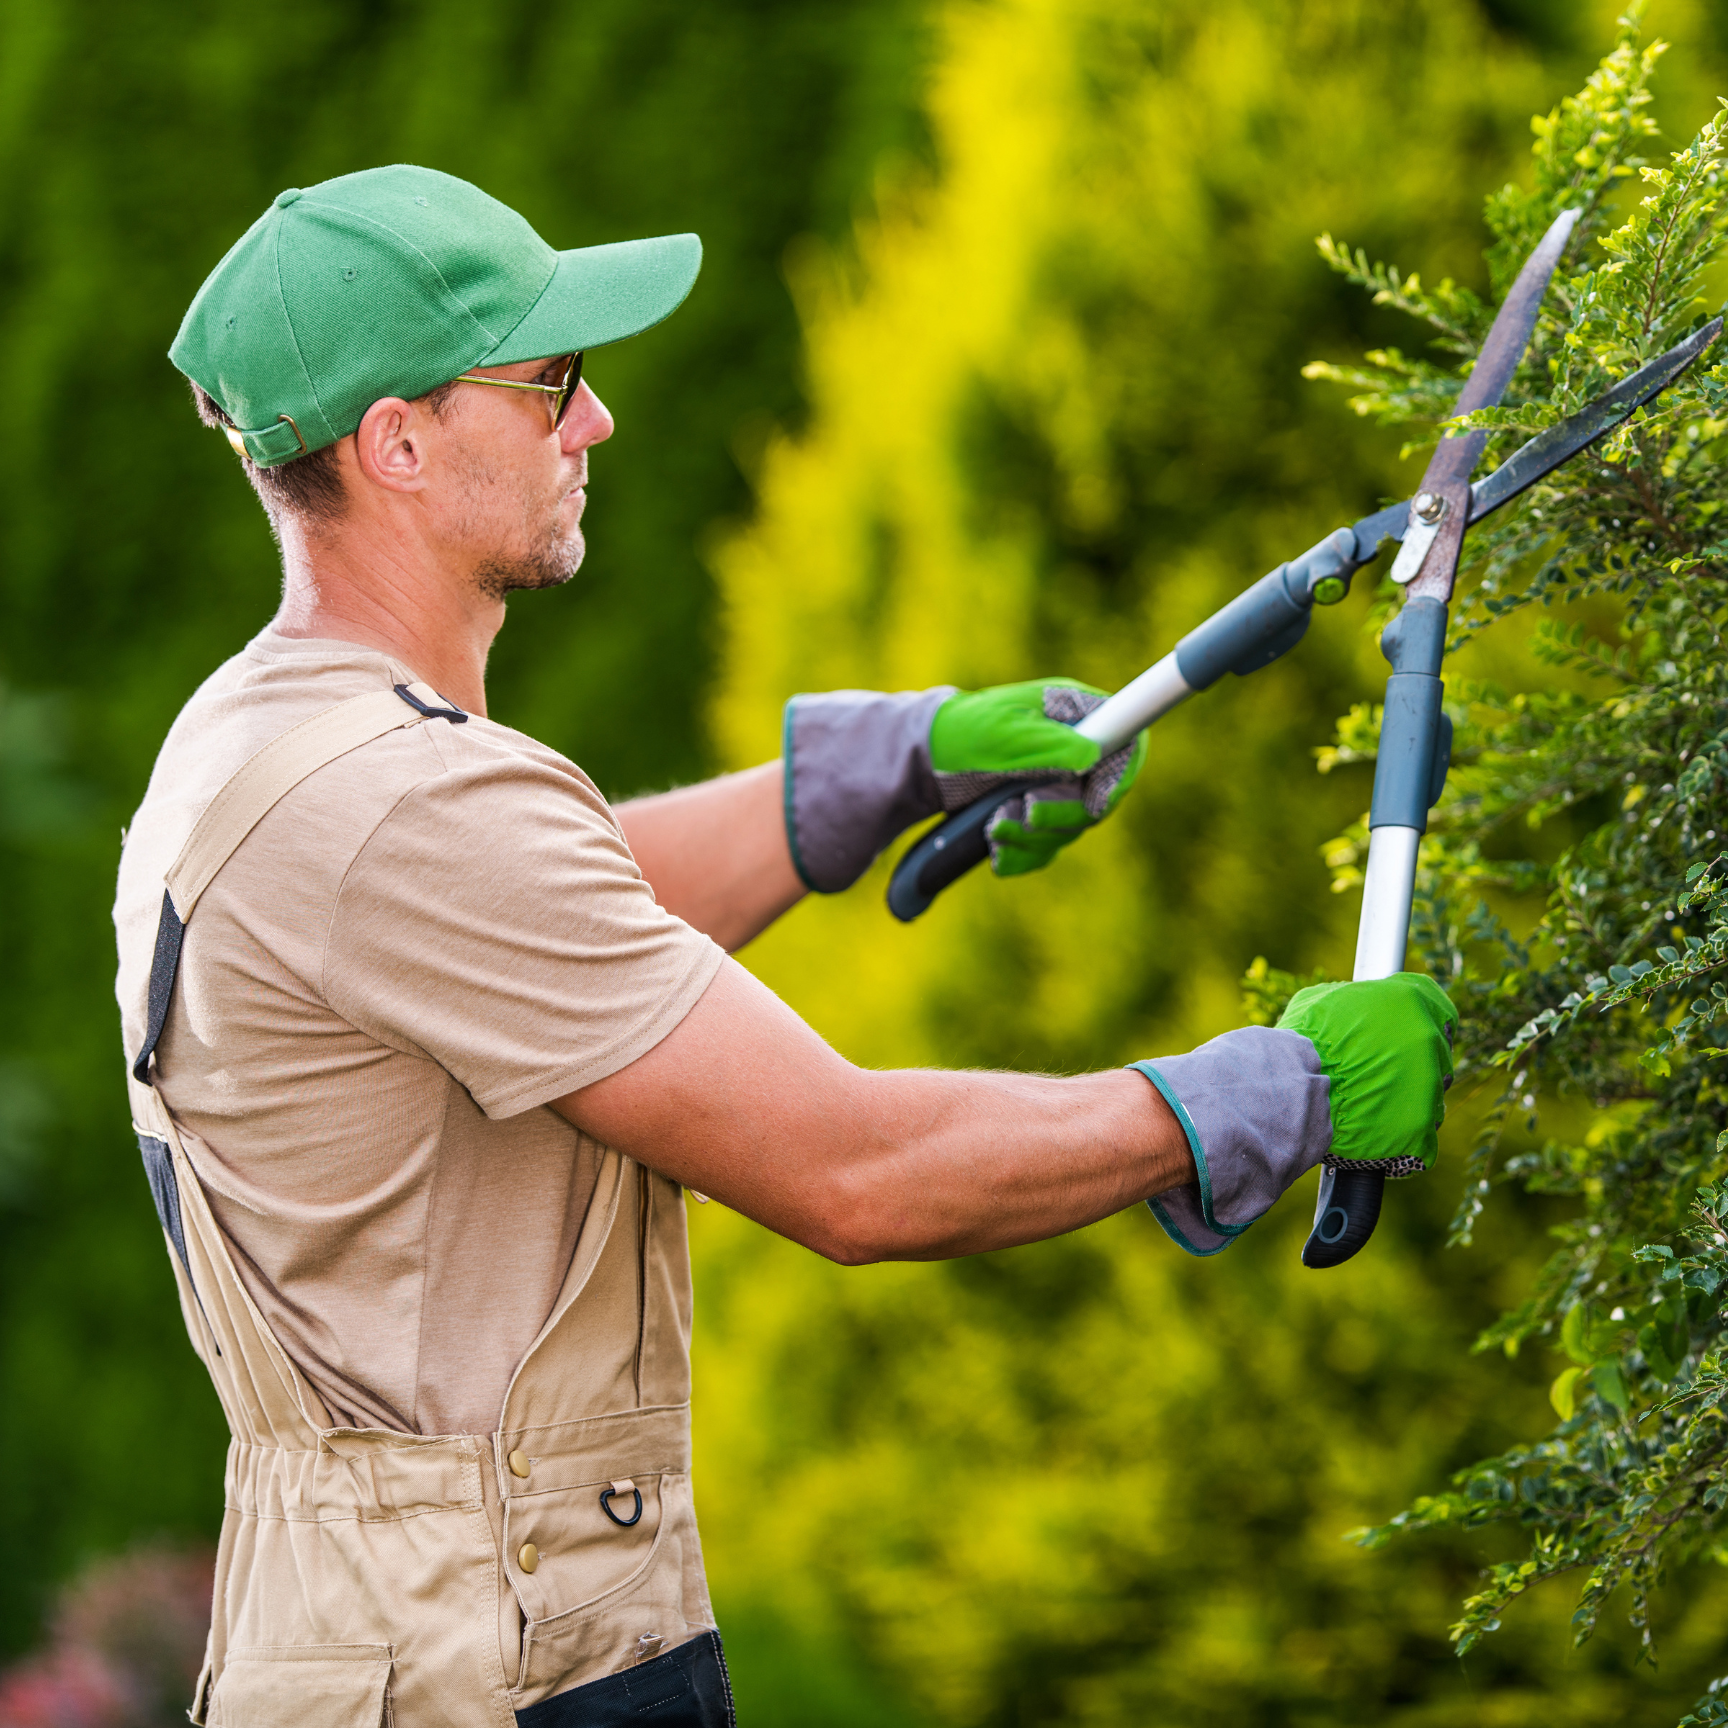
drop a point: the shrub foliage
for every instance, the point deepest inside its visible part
(1613, 996)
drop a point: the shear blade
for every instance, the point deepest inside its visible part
(1515, 322)
(1508, 337)
(1537, 459)
(1560, 443)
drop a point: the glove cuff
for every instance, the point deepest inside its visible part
(1255, 1106)
(857, 773)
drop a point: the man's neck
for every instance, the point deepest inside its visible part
(346, 584)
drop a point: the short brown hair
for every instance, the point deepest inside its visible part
(309, 487)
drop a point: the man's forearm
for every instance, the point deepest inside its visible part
(716, 853)
(745, 1102)
(962, 1163)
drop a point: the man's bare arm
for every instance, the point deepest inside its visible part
(716, 854)
(744, 1102)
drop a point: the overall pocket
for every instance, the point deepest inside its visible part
(569, 1547)
(656, 1607)
(303, 1686)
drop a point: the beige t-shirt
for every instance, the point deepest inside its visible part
(420, 946)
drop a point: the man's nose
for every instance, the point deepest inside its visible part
(587, 422)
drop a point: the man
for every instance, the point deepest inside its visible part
(420, 1091)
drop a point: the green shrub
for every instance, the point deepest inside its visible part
(1612, 996)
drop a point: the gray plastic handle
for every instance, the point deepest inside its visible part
(1409, 773)
(1259, 625)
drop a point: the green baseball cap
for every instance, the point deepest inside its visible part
(391, 282)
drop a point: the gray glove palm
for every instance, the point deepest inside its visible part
(862, 766)
(1353, 1075)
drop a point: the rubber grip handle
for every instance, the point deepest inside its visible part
(946, 852)
(1345, 1214)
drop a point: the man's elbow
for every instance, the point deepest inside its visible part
(849, 1224)
(846, 1240)
(849, 1250)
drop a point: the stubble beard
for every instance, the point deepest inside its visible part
(554, 558)
(554, 551)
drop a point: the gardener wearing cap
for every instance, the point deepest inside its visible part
(421, 1089)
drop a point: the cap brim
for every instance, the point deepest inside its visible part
(601, 294)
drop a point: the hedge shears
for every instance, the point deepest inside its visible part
(1270, 618)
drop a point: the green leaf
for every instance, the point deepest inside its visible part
(1663, 1365)
(1563, 1393)
(1673, 1329)
(1610, 1385)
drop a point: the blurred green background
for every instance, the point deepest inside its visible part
(993, 369)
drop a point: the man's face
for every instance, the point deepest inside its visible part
(517, 483)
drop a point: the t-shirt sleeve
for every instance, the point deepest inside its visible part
(496, 922)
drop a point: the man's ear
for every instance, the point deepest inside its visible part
(389, 444)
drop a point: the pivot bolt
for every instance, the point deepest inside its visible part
(1328, 591)
(1428, 506)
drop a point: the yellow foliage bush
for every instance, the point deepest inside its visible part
(1055, 420)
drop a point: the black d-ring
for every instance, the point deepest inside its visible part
(606, 1507)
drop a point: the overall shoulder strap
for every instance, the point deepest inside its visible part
(247, 798)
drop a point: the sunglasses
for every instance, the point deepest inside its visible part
(564, 392)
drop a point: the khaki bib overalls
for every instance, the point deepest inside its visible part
(367, 1577)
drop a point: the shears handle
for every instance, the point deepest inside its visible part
(944, 854)
(1409, 772)
(1260, 624)
(1344, 1217)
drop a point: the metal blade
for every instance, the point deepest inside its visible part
(1516, 320)
(1547, 450)
(1501, 352)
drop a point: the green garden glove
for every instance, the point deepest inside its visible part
(982, 738)
(1353, 1076)
(861, 766)
(1386, 1047)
